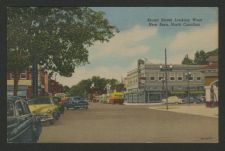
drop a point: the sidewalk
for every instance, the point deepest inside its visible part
(195, 109)
(150, 104)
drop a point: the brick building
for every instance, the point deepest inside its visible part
(25, 83)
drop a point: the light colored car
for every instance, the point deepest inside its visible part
(173, 99)
(44, 108)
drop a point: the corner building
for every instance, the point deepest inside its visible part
(146, 83)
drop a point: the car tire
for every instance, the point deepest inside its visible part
(55, 116)
(51, 122)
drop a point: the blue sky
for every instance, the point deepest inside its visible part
(137, 39)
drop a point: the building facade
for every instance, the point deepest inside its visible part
(211, 80)
(25, 83)
(146, 83)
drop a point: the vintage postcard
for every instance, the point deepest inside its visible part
(112, 75)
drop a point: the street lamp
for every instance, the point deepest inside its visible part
(92, 87)
(188, 76)
(165, 69)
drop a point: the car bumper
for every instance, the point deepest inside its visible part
(45, 118)
(77, 106)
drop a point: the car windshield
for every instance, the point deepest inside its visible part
(10, 111)
(40, 101)
(76, 98)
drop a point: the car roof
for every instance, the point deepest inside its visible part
(41, 97)
(13, 98)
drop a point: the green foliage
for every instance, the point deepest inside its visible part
(200, 58)
(212, 53)
(66, 89)
(187, 60)
(83, 88)
(57, 37)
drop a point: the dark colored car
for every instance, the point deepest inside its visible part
(76, 102)
(192, 100)
(22, 125)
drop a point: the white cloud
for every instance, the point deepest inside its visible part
(205, 38)
(188, 42)
(125, 44)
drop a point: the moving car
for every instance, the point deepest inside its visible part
(116, 98)
(172, 99)
(44, 108)
(76, 102)
(192, 100)
(22, 125)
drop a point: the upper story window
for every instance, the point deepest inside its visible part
(160, 78)
(198, 78)
(152, 78)
(179, 78)
(172, 78)
(23, 75)
(12, 76)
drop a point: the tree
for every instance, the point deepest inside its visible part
(120, 87)
(56, 38)
(200, 58)
(66, 89)
(83, 88)
(187, 61)
(212, 53)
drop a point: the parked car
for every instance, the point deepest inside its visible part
(22, 125)
(63, 97)
(192, 100)
(76, 102)
(172, 99)
(44, 108)
(57, 101)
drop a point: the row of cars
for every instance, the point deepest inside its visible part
(177, 100)
(26, 117)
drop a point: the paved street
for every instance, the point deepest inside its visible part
(105, 123)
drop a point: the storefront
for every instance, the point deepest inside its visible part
(22, 91)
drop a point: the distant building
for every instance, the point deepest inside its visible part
(55, 87)
(211, 79)
(146, 83)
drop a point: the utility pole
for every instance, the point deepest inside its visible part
(166, 68)
(166, 81)
(188, 76)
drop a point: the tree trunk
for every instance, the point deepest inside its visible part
(34, 77)
(16, 81)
